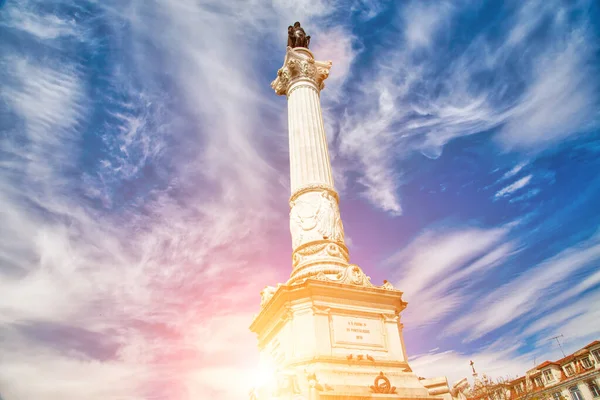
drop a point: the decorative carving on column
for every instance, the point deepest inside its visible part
(300, 65)
(382, 385)
(355, 276)
(315, 216)
(319, 250)
(300, 86)
(351, 275)
(280, 84)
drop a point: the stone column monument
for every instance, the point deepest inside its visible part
(328, 332)
(315, 223)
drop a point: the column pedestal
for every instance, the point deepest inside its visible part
(332, 340)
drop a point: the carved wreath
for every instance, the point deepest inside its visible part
(383, 385)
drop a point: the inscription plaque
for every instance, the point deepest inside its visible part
(357, 331)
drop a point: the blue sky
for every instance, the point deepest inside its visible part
(144, 183)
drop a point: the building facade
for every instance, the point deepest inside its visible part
(574, 377)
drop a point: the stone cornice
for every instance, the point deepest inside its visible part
(286, 294)
(300, 65)
(342, 360)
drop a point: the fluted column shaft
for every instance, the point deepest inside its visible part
(309, 157)
(315, 222)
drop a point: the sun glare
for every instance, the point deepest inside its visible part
(265, 375)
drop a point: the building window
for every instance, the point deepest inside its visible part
(593, 386)
(587, 364)
(518, 389)
(538, 381)
(548, 376)
(575, 393)
(569, 370)
(596, 354)
(556, 396)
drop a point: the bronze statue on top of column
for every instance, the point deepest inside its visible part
(297, 37)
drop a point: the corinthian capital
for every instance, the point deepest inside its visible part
(300, 65)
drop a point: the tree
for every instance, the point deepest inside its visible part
(488, 388)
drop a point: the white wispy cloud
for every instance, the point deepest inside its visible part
(513, 171)
(363, 139)
(526, 292)
(500, 359)
(335, 44)
(585, 284)
(65, 375)
(423, 21)
(44, 26)
(560, 101)
(418, 96)
(367, 9)
(525, 196)
(164, 282)
(435, 267)
(50, 100)
(556, 318)
(513, 187)
(495, 360)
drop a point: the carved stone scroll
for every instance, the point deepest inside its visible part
(355, 276)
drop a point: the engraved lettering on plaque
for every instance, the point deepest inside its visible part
(357, 332)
